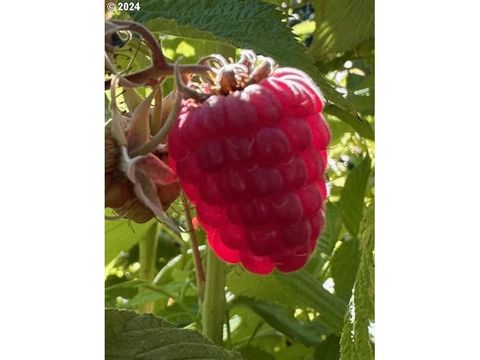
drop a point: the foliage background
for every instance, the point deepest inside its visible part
(324, 311)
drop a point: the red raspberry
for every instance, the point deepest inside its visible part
(253, 162)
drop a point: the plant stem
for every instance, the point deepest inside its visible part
(159, 66)
(158, 58)
(194, 244)
(148, 251)
(152, 73)
(213, 313)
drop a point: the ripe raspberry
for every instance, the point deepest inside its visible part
(253, 162)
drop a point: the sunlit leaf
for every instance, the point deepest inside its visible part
(351, 202)
(121, 235)
(358, 124)
(344, 265)
(333, 226)
(342, 25)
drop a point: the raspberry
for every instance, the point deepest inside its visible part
(253, 163)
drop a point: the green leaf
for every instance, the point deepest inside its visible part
(362, 127)
(360, 75)
(337, 127)
(121, 235)
(365, 51)
(311, 293)
(365, 276)
(342, 25)
(135, 56)
(352, 199)
(283, 320)
(182, 315)
(193, 49)
(304, 28)
(247, 24)
(247, 327)
(327, 241)
(253, 353)
(344, 266)
(331, 231)
(129, 336)
(299, 289)
(355, 341)
(114, 289)
(329, 349)
(143, 297)
(294, 351)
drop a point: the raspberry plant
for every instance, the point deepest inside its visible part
(239, 184)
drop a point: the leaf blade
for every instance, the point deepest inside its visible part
(352, 198)
(121, 235)
(342, 25)
(355, 341)
(280, 319)
(299, 289)
(362, 127)
(248, 24)
(130, 336)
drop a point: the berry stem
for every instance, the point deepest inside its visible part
(213, 312)
(159, 66)
(153, 73)
(158, 59)
(200, 273)
(147, 253)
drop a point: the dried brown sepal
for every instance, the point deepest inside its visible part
(138, 132)
(132, 98)
(261, 71)
(156, 120)
(121, 193)
(119, 122)
(112, 151)
(247, 58)
(160, 136)
(233, 76)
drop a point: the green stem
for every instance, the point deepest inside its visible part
(213, 313)
(148, 250)
(197, 260)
